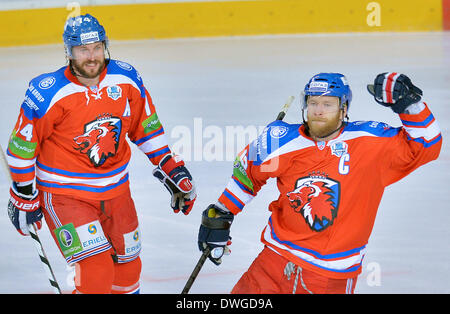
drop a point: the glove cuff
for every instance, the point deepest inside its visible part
(24, 192)
(174, 168)
(24, 202)
(170, 162)
(214, 218)
(415, 108)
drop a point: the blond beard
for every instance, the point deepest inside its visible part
(321, 128)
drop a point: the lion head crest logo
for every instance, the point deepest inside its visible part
(100, 139)
(316, 198)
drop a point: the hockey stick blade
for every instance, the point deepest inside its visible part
(196, 270)
(34, 235)
(371, 89)
(285, 108)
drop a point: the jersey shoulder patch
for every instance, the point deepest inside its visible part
(41, 91)
(374, 128)
(117, 67)
(274, 136)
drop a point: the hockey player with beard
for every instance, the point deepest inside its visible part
(331, 175)
(68, 156)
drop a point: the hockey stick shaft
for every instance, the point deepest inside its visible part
(196, 270)
(34, 235)
(43, 257)
(285, 108)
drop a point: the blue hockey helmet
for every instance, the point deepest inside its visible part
(328, 84)
(82, 30)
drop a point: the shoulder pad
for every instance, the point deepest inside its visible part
(373, 127)
(126, 69)
(274, 136)
(41, 91)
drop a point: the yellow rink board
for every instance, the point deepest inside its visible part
(227, 18)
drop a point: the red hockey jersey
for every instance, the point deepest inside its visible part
(72, 138)
(329, 191)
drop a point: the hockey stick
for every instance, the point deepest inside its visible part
(196, 270)
(285, 108)
(206, 252)
(34, 235)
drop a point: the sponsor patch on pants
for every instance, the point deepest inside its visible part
(91, 235)
(68, 240)
(132, 242)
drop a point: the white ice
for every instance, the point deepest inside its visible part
(243, 81)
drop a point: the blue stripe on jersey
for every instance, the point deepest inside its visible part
(84, 188)
(234, 200)
(158, 153)
(422, 141)
(348, 270)
(80, 174)
(22, 171)
(150, 136)
(309, 251)
(418, 124)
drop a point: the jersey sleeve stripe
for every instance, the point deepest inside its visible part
(158, 152)
(423, 123)
(426, 143)
(236, 191)
(428, 134)
(231, 201)
(155, 133)
(22, 170)
(154, 143)
(422, 126)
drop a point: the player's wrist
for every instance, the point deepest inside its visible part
(415, 108)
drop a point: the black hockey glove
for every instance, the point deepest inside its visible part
(172, 172)
(394, 90)
(215, 233)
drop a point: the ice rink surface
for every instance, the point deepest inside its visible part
(203, 86)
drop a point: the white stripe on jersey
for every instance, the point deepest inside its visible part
(55, 178)
(297, 143)
(238, 192)
(337, 264)
(154, 143)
